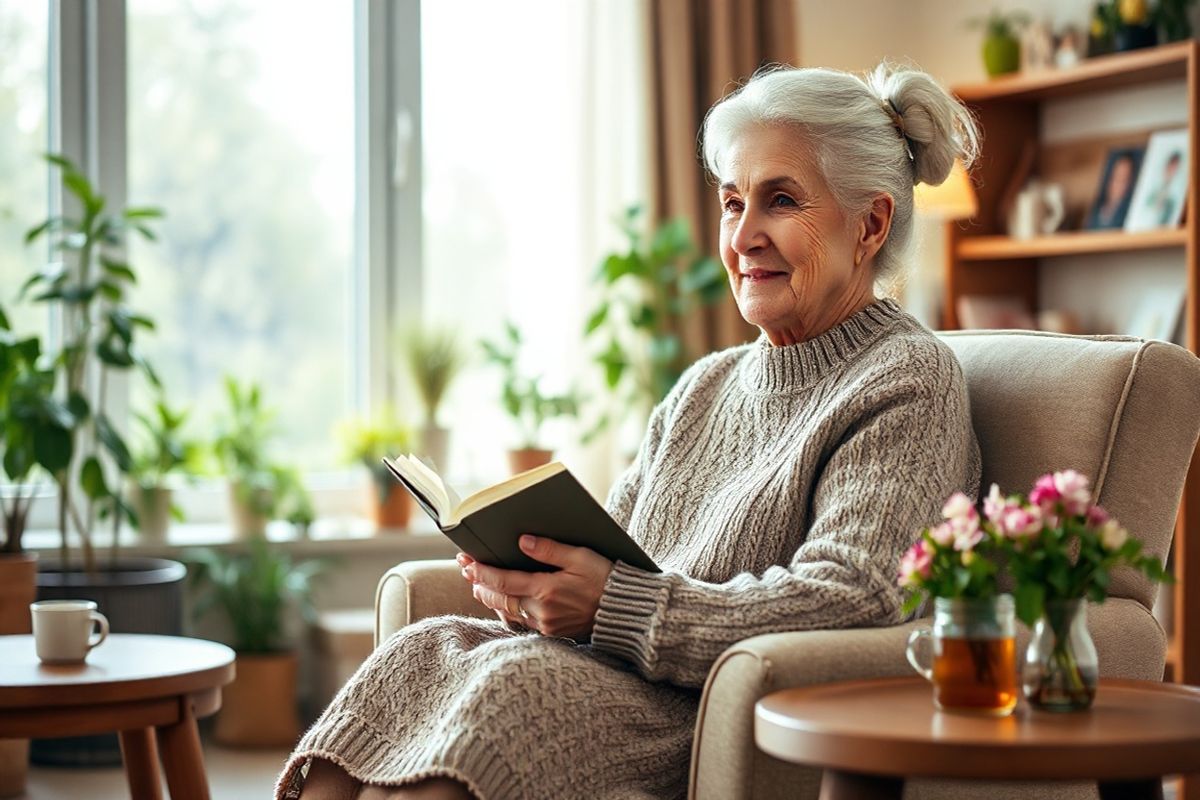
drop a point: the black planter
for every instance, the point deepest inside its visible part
(141, 595)
(1134, 37)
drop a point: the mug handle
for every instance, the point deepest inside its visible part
(102, 621)
(910, 651)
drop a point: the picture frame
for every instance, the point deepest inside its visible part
(1114, 192)
(1162, 183)
(1157, 314)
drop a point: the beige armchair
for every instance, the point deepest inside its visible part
(1123, 411)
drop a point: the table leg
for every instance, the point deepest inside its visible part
(1149, 789)
(141, 763)
(182, 758)
(837, 785)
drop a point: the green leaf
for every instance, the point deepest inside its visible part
(4, 323)
(91, 478)
(77, 404)
(118, 269)
(108, 353)
(114, 443)
(52, 448)
(110, 290)
(1030, 600)
(143, 212)
(79, 186)
(37, 230)
(597, 318)
(671, 240)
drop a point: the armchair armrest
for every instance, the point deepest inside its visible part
(415, 590)
(725, 761)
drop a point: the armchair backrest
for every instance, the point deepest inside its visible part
(1123, 411)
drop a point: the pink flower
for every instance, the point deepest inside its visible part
(994, 505)
(1045, 493)
(965, 531)
(942, 534)
(1020, 522)
(1096, 516)
(959, 505)
(1074, 491)
(915, 564)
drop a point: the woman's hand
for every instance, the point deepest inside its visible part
(562, 603)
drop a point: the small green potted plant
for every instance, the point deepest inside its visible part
(1001, 45)
(259, 489)
(525, 402)
(253, 589)
(434, 357)
(159, 451)
(366, 441)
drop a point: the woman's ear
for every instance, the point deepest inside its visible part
(873, 228)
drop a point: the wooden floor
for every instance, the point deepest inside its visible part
(232, 775)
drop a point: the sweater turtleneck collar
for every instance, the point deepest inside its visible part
(768, 369)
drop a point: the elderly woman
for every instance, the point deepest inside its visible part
(777, 486)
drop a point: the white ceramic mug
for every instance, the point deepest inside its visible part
(64, 630)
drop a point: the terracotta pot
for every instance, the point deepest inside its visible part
(394, 511)
(18, 588)
(153, 507)
(259, 708)
(248, 523)
(528, 458)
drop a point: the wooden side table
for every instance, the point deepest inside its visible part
(149, 689)
(869, 736)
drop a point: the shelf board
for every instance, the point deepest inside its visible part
(995, 248)
(1166, 62)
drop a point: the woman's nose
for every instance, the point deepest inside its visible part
(749, 236)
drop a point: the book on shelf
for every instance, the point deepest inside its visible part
(545, 501)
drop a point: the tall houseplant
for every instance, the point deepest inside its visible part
(90, 285)
(366, 441)
(253, 590)
(160, 451)
(434, 357)
(645, 290)
(528, 406)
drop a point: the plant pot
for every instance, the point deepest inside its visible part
(18, 588)
(1134, 37)
(138, 595)
(152, 504)
(393, 511)
(435, 446)
(528, 458)
(247, 521)
(259, 708)
(1001, 55)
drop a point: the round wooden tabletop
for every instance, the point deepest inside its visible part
(1134, 730)
(126, 666)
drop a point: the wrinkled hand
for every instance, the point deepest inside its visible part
(562, 603)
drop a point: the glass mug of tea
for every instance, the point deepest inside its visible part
(974, 666)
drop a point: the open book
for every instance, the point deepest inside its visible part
(546, 501)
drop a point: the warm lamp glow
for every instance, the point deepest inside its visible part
(953, 199)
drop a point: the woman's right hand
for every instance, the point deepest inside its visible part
(513, 623)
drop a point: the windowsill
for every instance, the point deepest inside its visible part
(326, 537)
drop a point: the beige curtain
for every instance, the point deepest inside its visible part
(700, 50)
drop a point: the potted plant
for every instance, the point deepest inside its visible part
(645, 290)
(253, 589)
(367, 441)
(259, 490)
(1001, 47)
(161, 452)
(434, 358)
(525, 402)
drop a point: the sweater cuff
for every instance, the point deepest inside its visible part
(630, 612)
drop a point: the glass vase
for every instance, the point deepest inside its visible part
(1061, 669)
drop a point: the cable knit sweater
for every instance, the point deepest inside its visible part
(777, 487)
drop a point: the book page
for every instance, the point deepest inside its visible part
(506, 488)
(427, 482)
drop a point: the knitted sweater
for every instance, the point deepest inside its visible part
(777, 487)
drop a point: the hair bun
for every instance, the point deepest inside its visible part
(937, 127)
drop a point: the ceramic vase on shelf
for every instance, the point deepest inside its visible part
(435, 442)
(153, 507)
(1061, 668)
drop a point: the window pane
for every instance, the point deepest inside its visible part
(23, 203)
(241, 127)
(504, 156)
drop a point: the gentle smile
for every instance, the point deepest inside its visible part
(762, 274)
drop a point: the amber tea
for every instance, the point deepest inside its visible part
(975, 675)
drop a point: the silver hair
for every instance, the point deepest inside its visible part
(885, 132)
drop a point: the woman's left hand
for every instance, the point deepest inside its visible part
(562, 603)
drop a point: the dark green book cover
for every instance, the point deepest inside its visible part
(557, 507)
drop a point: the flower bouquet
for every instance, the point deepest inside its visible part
(973, 664)
(1061, 548)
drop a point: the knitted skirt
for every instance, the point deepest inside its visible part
(509, 715)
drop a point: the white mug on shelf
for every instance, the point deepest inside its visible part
(64, 630)
(1038, 210)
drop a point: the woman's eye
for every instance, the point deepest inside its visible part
(732, 205)
(783, 200)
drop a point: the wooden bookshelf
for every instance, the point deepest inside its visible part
(982, 260)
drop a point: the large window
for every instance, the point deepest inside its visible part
(241, 127)
(24, 43)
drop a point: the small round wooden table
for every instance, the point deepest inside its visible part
(146, 688)
(869, 736)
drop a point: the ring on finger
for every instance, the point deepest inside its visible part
(513, 606)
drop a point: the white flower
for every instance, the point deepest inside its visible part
(1112, 535)
(959, 505)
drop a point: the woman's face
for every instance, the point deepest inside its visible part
(788, 249)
